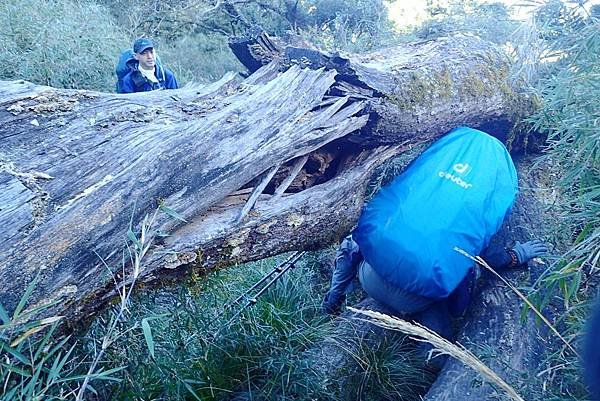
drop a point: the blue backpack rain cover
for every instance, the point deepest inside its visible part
(456, 194)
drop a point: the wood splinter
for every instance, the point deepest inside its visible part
(290, 178)
(256, 193)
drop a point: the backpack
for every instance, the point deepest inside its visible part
(456, 194)
(128, 63)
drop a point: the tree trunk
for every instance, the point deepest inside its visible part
(413, 90)
(79, 167)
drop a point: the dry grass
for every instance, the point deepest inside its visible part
(443, 346)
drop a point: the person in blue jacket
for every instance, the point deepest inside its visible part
(406, 246)
(432, 313)
(145, 73)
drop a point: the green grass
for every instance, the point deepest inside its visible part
(198, 355)
(569, 89)
(34, 363)
(389, 370)
(262, 355)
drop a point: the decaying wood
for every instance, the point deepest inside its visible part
(285, 184)
(268, 176)
(80, 165)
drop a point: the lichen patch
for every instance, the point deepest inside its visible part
(294, 220)
(264, 228)
(174, 260)
(239, 239)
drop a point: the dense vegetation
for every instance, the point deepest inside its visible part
(569, 87)
(202, 353)
(178, 344)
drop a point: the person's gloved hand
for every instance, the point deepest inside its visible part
(529, 250)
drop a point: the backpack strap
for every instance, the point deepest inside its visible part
(160, 75)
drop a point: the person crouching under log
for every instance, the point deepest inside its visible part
(456, 195)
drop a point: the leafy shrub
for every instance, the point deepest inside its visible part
(490, 21)
(199, 58)
(355, 25)
(61, 43)
(351, 26)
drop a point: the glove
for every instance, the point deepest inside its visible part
(529, 250)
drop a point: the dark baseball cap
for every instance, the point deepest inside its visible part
(142, 44)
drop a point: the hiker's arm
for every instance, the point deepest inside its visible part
(348, 252)
(500, 258)
(347, 259)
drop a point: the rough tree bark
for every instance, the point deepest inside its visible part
(77, 166)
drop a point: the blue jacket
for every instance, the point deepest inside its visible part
(134, 81)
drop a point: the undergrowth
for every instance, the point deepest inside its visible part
(60, 43)
(181, 343)
(197, 354)
(569, 90)
(34, 363)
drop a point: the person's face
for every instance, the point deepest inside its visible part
(146, 58)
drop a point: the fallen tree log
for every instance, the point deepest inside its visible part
(412, 90)
(80, 166)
